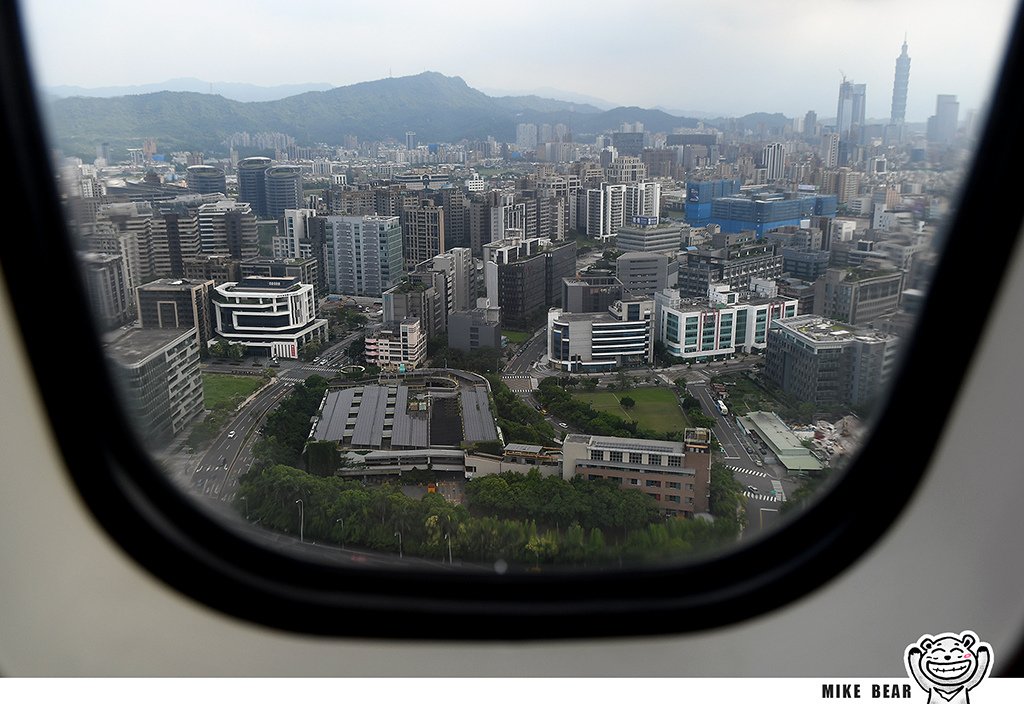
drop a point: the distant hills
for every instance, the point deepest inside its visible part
(436, 107)
(242, 92)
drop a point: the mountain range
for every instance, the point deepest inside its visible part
(436, 107)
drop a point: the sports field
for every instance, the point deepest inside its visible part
(655, 409)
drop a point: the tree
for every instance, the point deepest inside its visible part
(627, 402)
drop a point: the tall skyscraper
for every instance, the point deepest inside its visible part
(252, 187)
(410, 140)
(943, 124)
(283, 190)
(850, 110)
(773, 158)
(900, 84)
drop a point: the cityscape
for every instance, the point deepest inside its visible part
(504, 333)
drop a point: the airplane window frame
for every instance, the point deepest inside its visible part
(196, 554)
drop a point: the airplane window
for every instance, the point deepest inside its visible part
(454, 308)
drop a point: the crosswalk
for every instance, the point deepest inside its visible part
(760, 497)
(751, 472)
(531, 386)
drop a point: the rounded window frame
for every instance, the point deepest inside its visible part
(201, 557)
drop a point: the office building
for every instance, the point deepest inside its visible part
(773, 158)
(284, 190)
(422, 233)
(524, 277)
(732, 259)
(274, 316)
(106, 284)
(677, 475)
(858, 296)
(701, 194)
(942, 126)
(649, 234)
(228, 228)
(590, 293)
(206, 179)
(362, 254)
(177, 303)
(293, 238)
(305, 270)
(718, 325)
(472, 330)
(159, 380)
(642, 274)
(764, 210)
(252, 188)
(621, 336)
(828, 364)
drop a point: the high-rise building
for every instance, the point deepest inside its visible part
(206, 179)
(228, 227)
(159, 379)
(773, 158)
(284, 190)
(293, 238)
(422, 233)
(830, 150)
(943, 124)
(410, 140)
(107, 286)
(900, 84)
(362, 253)
(252, 188)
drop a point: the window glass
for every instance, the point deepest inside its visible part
(440, 301)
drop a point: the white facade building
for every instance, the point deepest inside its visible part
(276, 314)
(599, 342)
(720, 325)
(398, 348)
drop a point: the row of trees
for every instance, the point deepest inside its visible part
(287, 426)
(382, 518)
(519, 421)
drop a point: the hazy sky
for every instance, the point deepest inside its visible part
(721, 57)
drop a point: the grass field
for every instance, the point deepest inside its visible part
(226, 391)
(516, 337)
(655, 409)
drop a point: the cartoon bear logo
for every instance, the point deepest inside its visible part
(948, 666)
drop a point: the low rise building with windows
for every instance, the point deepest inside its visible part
(676, 474)
(271, 314)
(622, 336)
(722, 324)
(400, 346)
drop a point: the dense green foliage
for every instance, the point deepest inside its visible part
(726, 501)
(519, 422)
(345, 512)
(484, 360)
(287, 426)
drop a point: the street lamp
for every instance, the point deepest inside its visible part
(246, 500)
(342, 522)
(399, 534)
(302, 519)
(448, 537)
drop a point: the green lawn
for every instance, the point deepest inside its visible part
(516, 337)
(655, 409)
(227, 392)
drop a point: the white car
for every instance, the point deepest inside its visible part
(563, 425)
(231, 434)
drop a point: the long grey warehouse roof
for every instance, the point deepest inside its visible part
(477, 421)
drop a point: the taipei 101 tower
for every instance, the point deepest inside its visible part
(899, 87)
